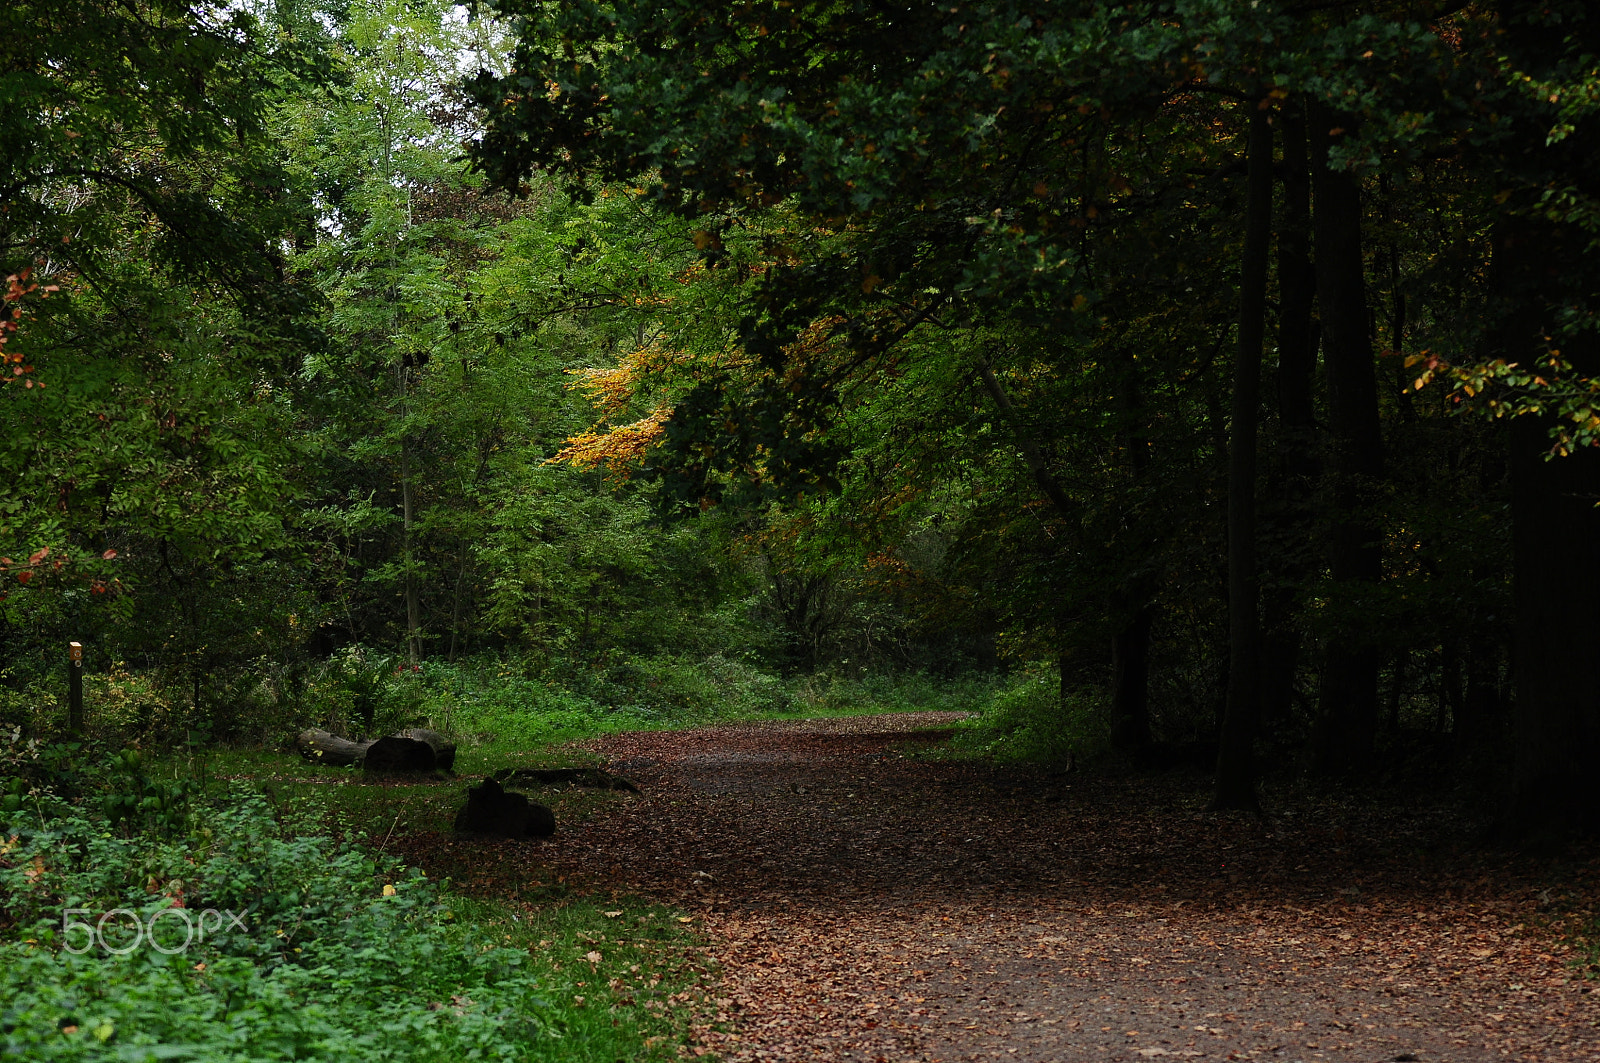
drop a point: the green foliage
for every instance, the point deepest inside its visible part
(39, 779)
(30, 705)
(336, 953)
(1030, 721)
(364, 693)
(495, 703)
(871, 691)
(137, 802)
(129, 705)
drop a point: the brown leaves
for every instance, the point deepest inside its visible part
(860, 903)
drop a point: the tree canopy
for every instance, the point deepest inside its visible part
(1227, 369)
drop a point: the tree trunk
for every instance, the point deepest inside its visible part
(413, 607)
(1481, 702)
(1130, 684)
(1538, 266)
(1349, 690)
(444, 750)
(1297, 292)
(1556, 542)
(1131, 606)
(1236, 767)
(1297, 463)
(323, 747)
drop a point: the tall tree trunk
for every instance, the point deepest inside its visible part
(1236, 766)
(1349, 691)
(1481, 702)
(1131, 608)
(1556, 542)
(1130, 683)
(1297, 292)
(1539, 265)
(1297, 462)
(413, 607)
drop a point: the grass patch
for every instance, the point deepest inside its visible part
(500, 711)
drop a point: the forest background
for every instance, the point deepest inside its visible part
(1163, 381)
(1198, 384)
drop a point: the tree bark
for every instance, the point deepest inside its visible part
(398, 753)
(1297, 462)
(1236, 766)
(1349, 690)
(1131, 606)
(323, 747)
(1130, 684)
(413, 606)
(1556, 541)
(444, 750)
(1539, 265)
(1297, 291)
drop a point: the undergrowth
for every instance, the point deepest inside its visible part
(1029, 720)
(310, 943)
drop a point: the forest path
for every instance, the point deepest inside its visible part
(865, 905)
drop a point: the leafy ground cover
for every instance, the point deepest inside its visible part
(339, 951)
(861, 904)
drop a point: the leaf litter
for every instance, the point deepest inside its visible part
(862, 904)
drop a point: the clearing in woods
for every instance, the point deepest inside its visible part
(866, 905)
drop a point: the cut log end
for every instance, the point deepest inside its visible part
(394, 753)
(494, 812)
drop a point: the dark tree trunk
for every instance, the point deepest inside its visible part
(1297, 292)
(1130, 684)
(1236, 766)
(1131, 606)
(1297, 463)
(1556, 542)
(1540, 265)
(1349, 691)
(444, 750)
(1481, 702)
(393, 753)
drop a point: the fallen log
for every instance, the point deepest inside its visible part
(323, 747)
(395, 754)
(444, 750)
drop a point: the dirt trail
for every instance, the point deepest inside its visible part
(864, 905)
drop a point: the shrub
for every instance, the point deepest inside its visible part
(128, 705)
(342, 954)
(361, 692)
(1029, 720)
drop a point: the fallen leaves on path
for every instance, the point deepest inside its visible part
(865, 905)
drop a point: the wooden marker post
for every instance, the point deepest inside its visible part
(75, 688)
